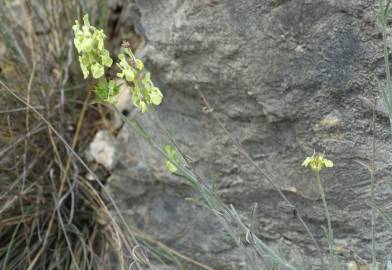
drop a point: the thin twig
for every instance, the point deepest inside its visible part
(19, 110)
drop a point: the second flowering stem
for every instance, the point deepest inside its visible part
(329, 231)
(327, 215)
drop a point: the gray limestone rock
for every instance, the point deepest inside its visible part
(285, 77)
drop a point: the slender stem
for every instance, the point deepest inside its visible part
(327, 215)
(386, 54)
(387, 99)
(383, 22)
(241, 149)
(372, 189)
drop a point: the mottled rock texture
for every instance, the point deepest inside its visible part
(285, 77)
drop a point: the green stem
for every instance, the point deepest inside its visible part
(327, 215)
(386, 54)
(383, 21)
(372, 190)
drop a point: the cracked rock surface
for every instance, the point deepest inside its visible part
(285, 77)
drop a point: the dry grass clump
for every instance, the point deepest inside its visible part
(52, 217)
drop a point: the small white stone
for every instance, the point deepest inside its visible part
(351, 265)
(102, 149)
(299, 49)
(90, 177)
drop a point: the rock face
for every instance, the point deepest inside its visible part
(285, 77)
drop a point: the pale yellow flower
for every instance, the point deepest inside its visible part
(317, 163)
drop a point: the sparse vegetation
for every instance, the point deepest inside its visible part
(52, 217)
(55, 210)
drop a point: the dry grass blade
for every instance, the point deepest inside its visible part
(51, 216)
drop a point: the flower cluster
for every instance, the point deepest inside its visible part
(93, 57)
(317, 163)
(89, 43)
(143, 90)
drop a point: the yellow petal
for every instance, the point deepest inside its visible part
(328, 163)
(306, 162)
